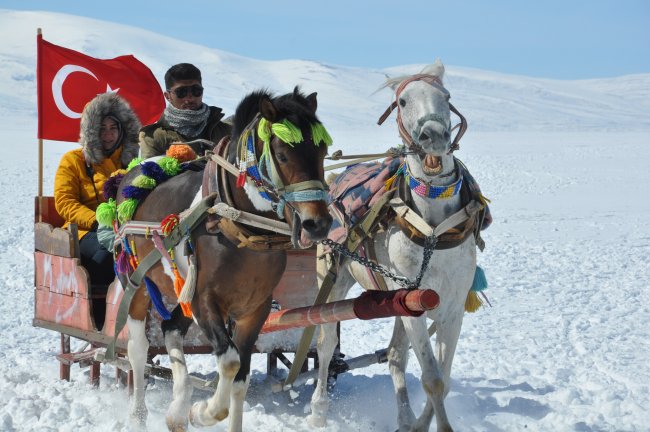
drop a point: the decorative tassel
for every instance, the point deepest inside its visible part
(168, 224)
(473, 302)
(106, 213)
(241, 179)
(480, 281)
(122, 263)
(156, 299)
(390, 181)
(187, 293)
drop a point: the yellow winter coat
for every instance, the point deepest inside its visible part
(74, 196)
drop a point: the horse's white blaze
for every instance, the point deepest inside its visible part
(177, 413)
(137, 348)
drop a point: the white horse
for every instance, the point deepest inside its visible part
(425, 127)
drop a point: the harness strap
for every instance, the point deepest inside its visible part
(357, 235)
(448, 232)
(196, 215)
(368, 248)
(308, 333)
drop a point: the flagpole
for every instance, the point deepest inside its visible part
(39, 36)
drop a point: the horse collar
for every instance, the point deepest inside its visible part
(426, 190)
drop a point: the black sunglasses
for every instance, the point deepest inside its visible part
(182, 92)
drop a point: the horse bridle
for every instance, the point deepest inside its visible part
(435, 82)
(284, 195)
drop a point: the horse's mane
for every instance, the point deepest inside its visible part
(291, 106)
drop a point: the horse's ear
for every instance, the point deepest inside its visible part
(437, 68)
(268, 111)
(313, 103)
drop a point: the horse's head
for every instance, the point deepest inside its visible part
(423, 118)
(290, 146)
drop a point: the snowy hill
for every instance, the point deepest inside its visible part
(564, 347)
(493, 101)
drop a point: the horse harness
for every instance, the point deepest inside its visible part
(215, 182)
(215, 191)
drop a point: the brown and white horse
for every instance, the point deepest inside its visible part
(233, 284)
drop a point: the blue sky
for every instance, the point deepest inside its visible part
(565, 39)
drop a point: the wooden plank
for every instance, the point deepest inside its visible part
(54, 241)
(45, 211)
(298, 286)
(61, 275)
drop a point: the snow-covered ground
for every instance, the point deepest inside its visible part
(565, 346)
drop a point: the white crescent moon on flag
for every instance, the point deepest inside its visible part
(57, 88)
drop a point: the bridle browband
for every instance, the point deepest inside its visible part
(408, 140)
(269, 180)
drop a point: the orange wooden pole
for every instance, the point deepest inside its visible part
(369, 305)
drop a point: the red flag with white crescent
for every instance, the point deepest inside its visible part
(68, 80)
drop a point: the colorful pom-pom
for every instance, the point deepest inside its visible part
(106, 212)
(143, 181)
(181, 152)
(169, 165)
(126, 209)
(111, 185)
(153, 170)
(135, 192)
(134, 162)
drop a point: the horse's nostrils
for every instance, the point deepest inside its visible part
(317, 228)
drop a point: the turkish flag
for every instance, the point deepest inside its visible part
(68, 80)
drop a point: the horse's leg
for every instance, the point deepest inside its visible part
(209, 412)
(327, 341)
(398, 354)
(246, 332)
(174, 331)
(432, 379)
(137, 349)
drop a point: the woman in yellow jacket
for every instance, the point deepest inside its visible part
(109, 141)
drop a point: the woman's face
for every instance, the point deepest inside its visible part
(109, 133)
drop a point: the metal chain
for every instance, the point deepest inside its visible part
(404, 282)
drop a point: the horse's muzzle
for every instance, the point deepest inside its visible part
(318, 227)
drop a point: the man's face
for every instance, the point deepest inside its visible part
(188, 91)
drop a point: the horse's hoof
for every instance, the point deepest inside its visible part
(177, 416)
(138, 417)
(176, 425)
(199, 416)
(316, 421)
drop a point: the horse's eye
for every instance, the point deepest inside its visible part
(402, 102)
(281, 157)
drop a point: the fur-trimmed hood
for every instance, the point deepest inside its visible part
(91, 120)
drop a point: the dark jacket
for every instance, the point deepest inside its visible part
(156, 138)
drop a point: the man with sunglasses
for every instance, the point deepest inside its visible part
(186, 119)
